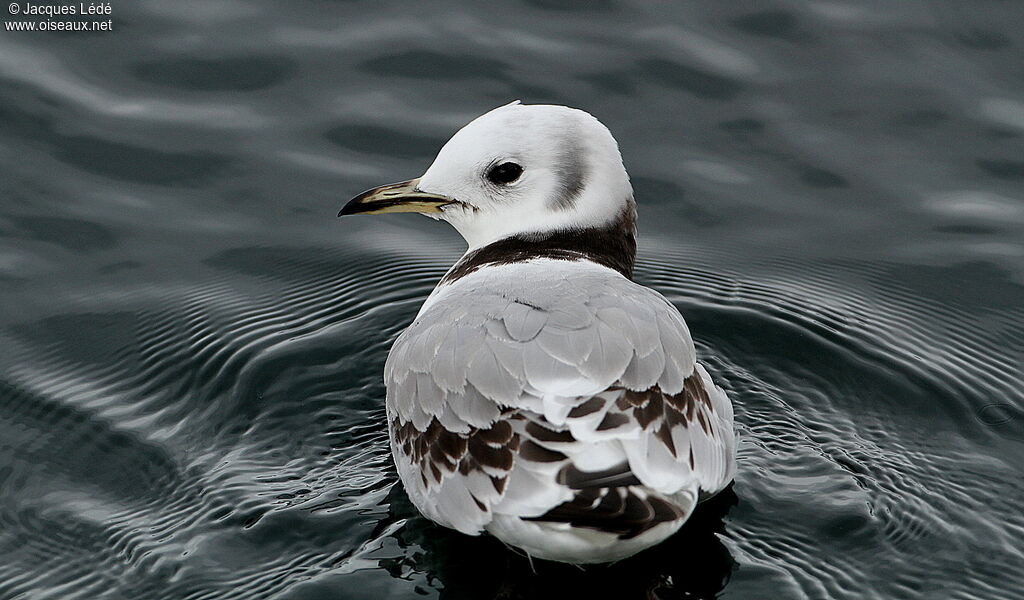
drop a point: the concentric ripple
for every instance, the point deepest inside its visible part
(220, 444)
(191, 346)
(860, 419)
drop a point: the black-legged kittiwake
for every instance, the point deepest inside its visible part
(540, 394)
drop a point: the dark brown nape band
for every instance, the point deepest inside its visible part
(613, 246)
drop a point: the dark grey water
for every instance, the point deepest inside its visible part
(832, 192)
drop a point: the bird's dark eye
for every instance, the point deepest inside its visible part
(505, 173)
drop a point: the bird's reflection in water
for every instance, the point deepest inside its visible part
(694, 563)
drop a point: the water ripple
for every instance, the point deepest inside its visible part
(192, 347)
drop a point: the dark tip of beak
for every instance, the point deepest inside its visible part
(358, 204)
(349, 208)
(403, 196)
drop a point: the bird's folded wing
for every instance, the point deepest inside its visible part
(514, 401)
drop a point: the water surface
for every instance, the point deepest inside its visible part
(832, 193)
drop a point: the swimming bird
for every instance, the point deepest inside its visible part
(541, 395)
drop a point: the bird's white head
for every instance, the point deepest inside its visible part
(517, 170)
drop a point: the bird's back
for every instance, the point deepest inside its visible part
(559, 406)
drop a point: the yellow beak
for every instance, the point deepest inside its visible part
(395, 198)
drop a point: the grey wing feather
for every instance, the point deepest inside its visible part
(567, 351)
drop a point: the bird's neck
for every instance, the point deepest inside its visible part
(612, 246)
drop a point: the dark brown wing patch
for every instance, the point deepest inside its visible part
(590, 406)
(537, 453)
(612, 500)
(622, 511)
(656, 410)
(545, 435)
(617, 476)
(437, 451)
